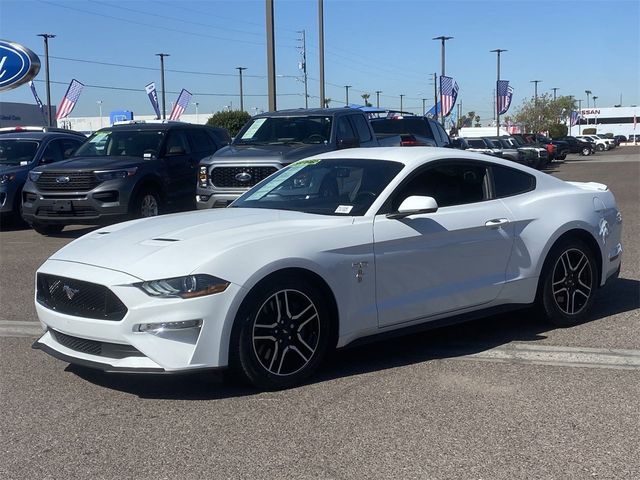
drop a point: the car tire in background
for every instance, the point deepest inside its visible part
(586, 151)
(281, 334)
(47, 229)
(568, 283)
(146, 204)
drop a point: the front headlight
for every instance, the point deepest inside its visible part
(7, 177)
(34, 176)
(104, 175)
(189, 286)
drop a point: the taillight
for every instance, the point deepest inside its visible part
(411, 141)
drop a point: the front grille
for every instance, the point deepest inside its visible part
(92, 347)
(67, 181)
(225, 177)
(78, 298)
(76, 211)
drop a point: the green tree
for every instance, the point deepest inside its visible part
(365, 97)
(558, 130)
(232, 121)
(542, 115)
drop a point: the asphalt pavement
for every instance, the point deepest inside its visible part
(500, 398)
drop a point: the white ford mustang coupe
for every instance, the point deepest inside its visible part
(331, 249)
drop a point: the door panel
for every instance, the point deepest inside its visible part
(180, 166)
(440, 262)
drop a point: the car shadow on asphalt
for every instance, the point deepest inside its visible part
(467, 338)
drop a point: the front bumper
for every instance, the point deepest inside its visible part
(73, 338)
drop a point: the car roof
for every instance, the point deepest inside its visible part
(39, 135)
(153, 126)
(412, 156)
(298, 112)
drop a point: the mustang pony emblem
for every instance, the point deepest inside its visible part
(71, 292)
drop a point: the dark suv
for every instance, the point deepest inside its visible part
(24, 148)
(413, 131)
(125, 171)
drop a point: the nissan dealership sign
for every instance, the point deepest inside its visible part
(18, 65)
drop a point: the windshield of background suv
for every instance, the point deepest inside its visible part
(324, 187)
(132, 143)
(285, 130)
(17, 152)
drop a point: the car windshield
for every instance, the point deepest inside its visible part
(285, 130)
(17, 152)
(476, 143)
(132, 143)
(416, 126)
(324, 187)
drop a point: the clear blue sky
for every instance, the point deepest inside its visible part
(371, 45)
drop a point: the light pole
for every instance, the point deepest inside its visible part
(196, 104)
(321, 48)
(378, 92)
(535, 95)
(164, 107)
(424, 108)
(498, 51)
(555, 89)
(99, 102)
(443, 39)
(346, 90)
(588, 92)
(594, 101)
(46, 37)
(401, 96)
(240, 69)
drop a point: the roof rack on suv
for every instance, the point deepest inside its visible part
(135, 122)
(39, 129)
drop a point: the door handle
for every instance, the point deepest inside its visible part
(496, 222)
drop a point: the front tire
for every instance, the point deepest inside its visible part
(600, 147)
(569, 282)
(586, 151)
(147, 204)
(47, 229)
(281, 334)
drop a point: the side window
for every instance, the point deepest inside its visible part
(69, 147)
(177, 143)
(508, 181)
(344, 129)
(53, 152)
(364, 132)
(449, 184)
(200, 141)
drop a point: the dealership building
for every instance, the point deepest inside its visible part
(616, 120)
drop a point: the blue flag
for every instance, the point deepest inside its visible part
(37, 98)
(153, 98)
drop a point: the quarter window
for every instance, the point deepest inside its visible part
(364, 133)
(508, 182)
(344, 129)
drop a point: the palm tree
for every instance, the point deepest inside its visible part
(365, 97)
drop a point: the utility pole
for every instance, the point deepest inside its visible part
(46, 37)
(240, 69)
(435, 95)
(424, 111)
(588, 92)
(580, 116)
(535, 95)
(555, 89)
(401, 96)
(303, 64)
(498, 51)
(443, 39)
(271, 57)
(346, 100)
(321, 46)
(378, 92)
(164, 107)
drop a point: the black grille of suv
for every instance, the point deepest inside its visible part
(225, 177)
(92, 347)
(82, 299)
(67, 182)
(77, 211)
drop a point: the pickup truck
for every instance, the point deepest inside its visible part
(273, 140)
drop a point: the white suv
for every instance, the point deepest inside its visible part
(600, 143)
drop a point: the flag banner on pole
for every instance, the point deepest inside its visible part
(153, 98)
(181, 105)
(433, 111)
(449, 92)
(70, 98)
(505, 93)
(575, 116)
(37, 98)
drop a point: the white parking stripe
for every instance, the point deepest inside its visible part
(10, 328)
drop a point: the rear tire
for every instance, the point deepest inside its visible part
(568, 283)
(281, 335)
(586, 151)
(47, 229)
(600, 147)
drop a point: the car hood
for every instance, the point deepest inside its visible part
(18, 170)
(283, 154)
(175, 245)
(93, 163)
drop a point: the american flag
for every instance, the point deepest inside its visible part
(575, 116)
(449, 92)
(505, 93)
(181, 105)
(70, 98)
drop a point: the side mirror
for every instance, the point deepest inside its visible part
(46, 160)
(414, 205)
(348, 143)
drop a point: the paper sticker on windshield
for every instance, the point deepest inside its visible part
(344, 209)
(22, 164)
(251, 131)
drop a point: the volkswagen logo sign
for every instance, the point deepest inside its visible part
(243, 177)
(63, 179)
(18, 65)
(70, 292)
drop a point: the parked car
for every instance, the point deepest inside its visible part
(268, 286)
(473, 145)
(510, 150)
(128, 170)
(414, 131)
(620, 139)
(273, 140)
(541, 152)
(600, 144)
(579, 146)
(24, 148)
(610, 140)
